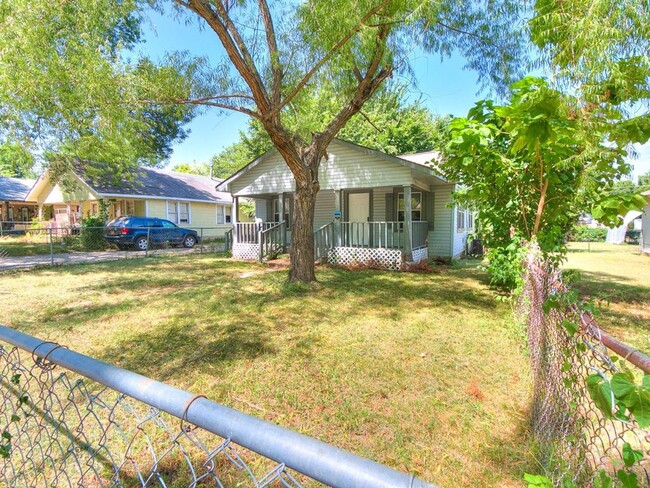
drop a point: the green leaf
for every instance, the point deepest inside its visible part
(571, 327)
(15, 418)
(602, 480)
(600, 391)
(6, 435)
(631, 456)
(537, 481)
(629, 480)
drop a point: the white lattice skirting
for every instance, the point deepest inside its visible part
(420, 254)
(350, 256)
(245, 251)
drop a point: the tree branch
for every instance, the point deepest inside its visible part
(460, 31)
(370, 121)
(274, 53)
(364, 91)
(327, 57)
(234, 45)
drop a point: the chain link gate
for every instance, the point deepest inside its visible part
(72, 421)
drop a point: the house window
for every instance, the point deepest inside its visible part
(130, 207)
(416, 207)
(224, 214)
(460, 219)
(94, 208)
(220, 214)
(276, 210)
(178, 212)
(470, 220)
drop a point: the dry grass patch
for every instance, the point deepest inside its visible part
(618, 278)
(418, 371)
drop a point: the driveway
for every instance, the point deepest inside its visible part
(19, 262)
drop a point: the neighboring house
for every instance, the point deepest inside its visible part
(187, 200)
(392, 209)
(645, 225)
(15, 211)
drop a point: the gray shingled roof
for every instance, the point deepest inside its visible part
(15, 189)
(152, 182)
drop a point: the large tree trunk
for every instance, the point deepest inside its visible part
(302, 235)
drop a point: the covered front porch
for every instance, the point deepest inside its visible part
(346, 228)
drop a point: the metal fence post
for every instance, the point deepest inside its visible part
(201, 246)
(146, 251)
(51, 248)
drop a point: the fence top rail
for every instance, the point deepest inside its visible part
(630, 354)
(316, 459)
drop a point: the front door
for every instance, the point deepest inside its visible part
(358, 231)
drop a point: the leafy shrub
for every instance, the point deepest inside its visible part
(581, 233)
(92, 234)
(505, 265)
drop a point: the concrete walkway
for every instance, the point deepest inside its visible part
(20, 262)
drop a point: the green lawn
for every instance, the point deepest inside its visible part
(422, 372)
(618, 278)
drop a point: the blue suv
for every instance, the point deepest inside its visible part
(142, 232)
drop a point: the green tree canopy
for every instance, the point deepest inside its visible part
(68, 87)
(16, 161)
(531, 167)
(389, 122)
(201, 169)
(601, 49)
(66, 75)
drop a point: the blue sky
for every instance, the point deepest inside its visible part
(442, 85)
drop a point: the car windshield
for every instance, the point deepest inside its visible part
(167, 224)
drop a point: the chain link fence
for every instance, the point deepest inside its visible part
(580, 437)
(110, 427)
(52, 245)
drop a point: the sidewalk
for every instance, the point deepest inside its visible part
(20, 262)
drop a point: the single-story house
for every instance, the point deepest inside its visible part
(645, 225)
(371, 207)
(185, 199)
(15, 211)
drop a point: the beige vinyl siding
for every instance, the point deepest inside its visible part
(346, 168)
(204, 220)
(379, 204)
(140, 208)
(440, 237)
(260, 210)
(324, 211)
(460, 239)
(157, 208)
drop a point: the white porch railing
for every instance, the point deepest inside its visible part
(272, 241)
(260, 240)
(386, 235)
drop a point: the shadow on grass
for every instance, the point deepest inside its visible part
(608, 286)
(178, 348)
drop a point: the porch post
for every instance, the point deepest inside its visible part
(408, 225)
(235, 219)
(40, 212)
(281, 217)
(337, 222)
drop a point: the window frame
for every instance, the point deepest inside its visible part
(177, 212)
(400, 196)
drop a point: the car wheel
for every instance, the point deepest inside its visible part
(142, 243)
(189, 241)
